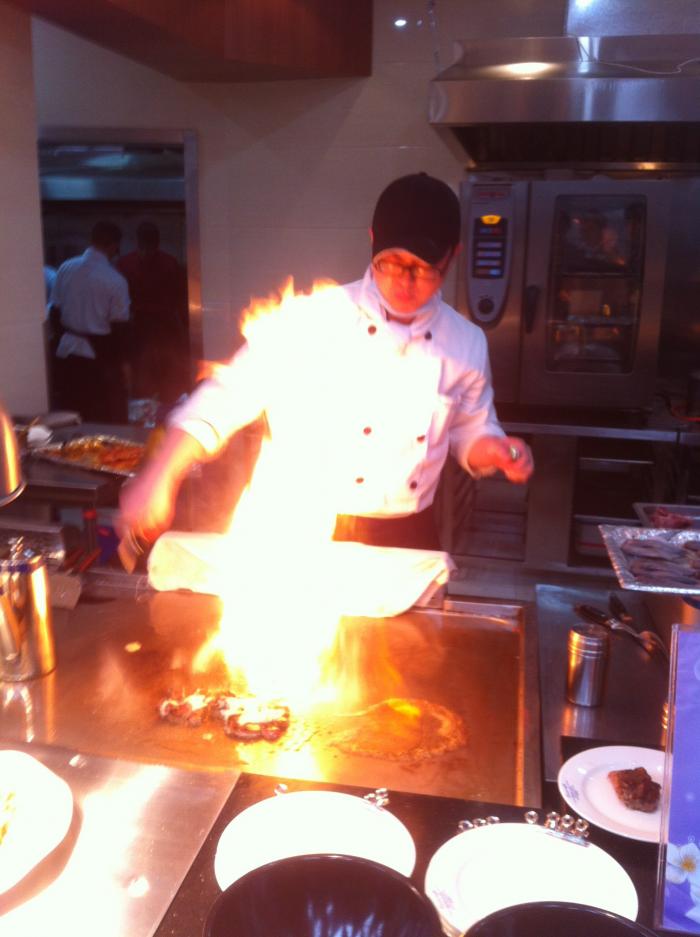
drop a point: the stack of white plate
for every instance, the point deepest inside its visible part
(492, 867)
(307, 823)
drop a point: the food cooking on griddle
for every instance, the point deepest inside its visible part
(657, 562)
(635, 789)
(244, 718)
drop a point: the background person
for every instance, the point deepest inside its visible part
(370, 384)
(158, 291)
(89, 310)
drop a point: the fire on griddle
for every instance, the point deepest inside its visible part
(244, 718)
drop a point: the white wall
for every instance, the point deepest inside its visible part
(289, 171)
(22, 381)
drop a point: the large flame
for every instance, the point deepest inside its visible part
(280, 613)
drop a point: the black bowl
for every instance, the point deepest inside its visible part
(556, 919)
(322, 896)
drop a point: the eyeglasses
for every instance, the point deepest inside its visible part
(392, 268)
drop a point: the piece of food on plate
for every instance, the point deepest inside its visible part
(244, 718)
(636, 789)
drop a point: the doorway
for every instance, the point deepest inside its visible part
(139, 181)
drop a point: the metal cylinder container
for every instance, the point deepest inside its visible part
(588, 653)
(26, 628)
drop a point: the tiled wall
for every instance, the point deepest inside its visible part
(289, 171)
(22, 386)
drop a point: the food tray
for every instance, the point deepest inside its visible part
(614, 537)
(95, 448)
(645, 514)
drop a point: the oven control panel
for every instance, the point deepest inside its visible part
(489, 232)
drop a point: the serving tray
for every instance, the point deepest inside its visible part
(94, 454)
(613, 538)
(691, 512)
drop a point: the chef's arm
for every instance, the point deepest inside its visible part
(147, 502)
(510, 454)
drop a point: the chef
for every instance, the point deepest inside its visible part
(369, 385)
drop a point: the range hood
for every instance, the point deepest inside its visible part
(572, 100)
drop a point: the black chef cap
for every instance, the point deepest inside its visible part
(419, 214)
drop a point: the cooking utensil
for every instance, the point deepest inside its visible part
(619, 610)
(650, 641)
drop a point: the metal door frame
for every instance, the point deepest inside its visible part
(188, 139)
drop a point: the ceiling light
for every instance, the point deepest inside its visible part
(400, 22)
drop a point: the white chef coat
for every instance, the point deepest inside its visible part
(91, 295)
(372, 405)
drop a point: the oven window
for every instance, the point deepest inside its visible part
(596, 283)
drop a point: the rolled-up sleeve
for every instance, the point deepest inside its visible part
(475, 415)
(226, 402)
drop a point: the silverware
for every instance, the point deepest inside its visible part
(650, 641)
(618, 609)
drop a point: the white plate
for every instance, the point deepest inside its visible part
(492, 867)
(41, 815)
(583, 783)
(307, 822)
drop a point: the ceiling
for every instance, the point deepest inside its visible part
(225, 40)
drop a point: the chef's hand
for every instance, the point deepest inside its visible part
(147, 502)
(508, 453)
(147, 505)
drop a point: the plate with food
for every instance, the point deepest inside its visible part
(617, 787)
(651, 559)
(96, 453)
(36, 811)
(303, 823)
(491, 867)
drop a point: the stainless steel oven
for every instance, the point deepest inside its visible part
(567, 280)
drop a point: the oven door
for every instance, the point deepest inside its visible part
(593, 289)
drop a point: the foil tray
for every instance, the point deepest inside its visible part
(614, 537)
(52, 453)
(690, 511)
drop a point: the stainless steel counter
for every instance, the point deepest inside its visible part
(118, 658)
(135, 832)
(636, 689)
